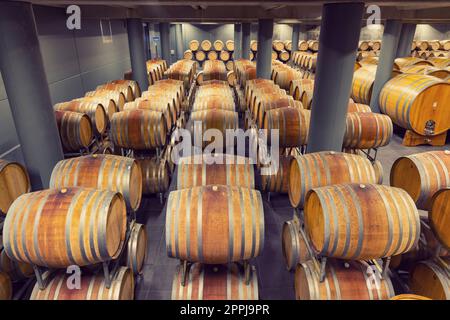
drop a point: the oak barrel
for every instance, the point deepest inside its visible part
(155, 176)
(165, 106)
(14, 181)
(124, 88)
(194, 45)
(108, 104)
(358, 107)
(218, 45)
(430, 279)
(134, 85)
(117, 96)
(365, 130)
(214, 119)
(75, 130)
(439, 216)
(277, 180)
(206, 45)
(294, 245)
(235, 231)
(136, 249)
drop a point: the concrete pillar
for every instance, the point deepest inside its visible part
(28, 93)
(148, 54)
(388, 52)
(164, 29)
(237, 54)
(295, 36)
(246, 29)
(264, 56)
(302, 32)
(137, 51)
(179, 38)
(338, 41)
(406, 38)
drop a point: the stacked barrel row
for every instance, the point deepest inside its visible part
(84, 120)
(306, 63)
(368, 48)
(331, 192)
(415, 98)
(430, 48)
(155, 70)
(14, 182)
(244, 70)
(216, 70)
(205, 50)
(425, 177)
(183, 70)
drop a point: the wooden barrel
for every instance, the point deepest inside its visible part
(283, 76)
(343, 281)
(229, 45)
(263, 93)
(277, 179)
(92, 287)
(155, 176)
(288, 45)
(218, 45)
(362, 84)
(358, 107)
(138, 129)
(16, 270)
(6, 288)
(224, 55)
(270, 102)
(136, 249)
(200, 56)
(302, 90)
(365, 130)
(234, 233)
(254, 45)
(162, 105)
(229, 65)
(292, 125)
(117, 96)
(212, 55)
(403, 62)
(219, 282)
(214, 119)
(313, 45)
(417, 102)
(340, 224)
(75, 130)
(440, 62)
(215, 169)
(284, 56)
(188, 54)
(102, 172)
(124, 88)
(302, 45)
(213, 102)
(94, 111)
(274, 55)
(194, 45)
(326, 168)
(363, 45)
(206, 45)
(14, 181)
(422, 175)
(108, 104)
(430, 279)
(60, 227)
(278, 45)
(134, 85)
(231, 78)
(294, 246)
(409, 297)
(439, 216)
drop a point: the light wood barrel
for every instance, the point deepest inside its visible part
(417, 102)
(124, 88)
(214, 119)
(215, 169)
(430, 279)
(303, 45)
(409, 297)
(200, 56)
(278, 45)
(75, 130)
(108, 104)
(138, 129)
(439, 216)
(302, 90)
(288, 45)
(343, 281)
(358, 107)
(229, 65)
(283, 76)
(155, 176)
(14, 181)
(224, 55)
(102, 172)
(340, 224)
(292, 123)
(117, 96)
(363, 45)
(194, 45)
(212, 55)
(219, 282)
(92, 287)
(136, 249)
(254, 45)
(162, 105)
(266, 103)
(16, 270)
(422, 175)
(440, 62)
(211, 102)
(218, 45)
(206, 45)
(94, 111)
(294, 246)
(188, 54)
(58, 228)
(403, 62)
(134, 85)
(6, 288)
(284, 56)
(234, 233)
(229, 45)
(326, 168)
(277, 181)
(362, 84)
(365, 130)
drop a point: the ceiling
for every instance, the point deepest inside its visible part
(287, 11)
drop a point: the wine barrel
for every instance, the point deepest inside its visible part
(229, 65)
(60, 227)
(362, 84)
(283, 76)
(108, 104)
(102, 172)
(224, 55)
(278, 45)
(231, 78)
(422, 175)
(94, 111)
(168, 109)
(284, 56)
(409, 297)
(188, 54)
(212, 55)
(326, 168)
(6, 288)
(292, 123)
(92, 287)
(358, 107)
(430, 279)
(363, 45)
(340, 224)
(417, 102)
(213, 102)
(222, 169)
(294, 245)
(200, 56)
(270, 102)
(219, 282)
(206, 45)
(214, 119)
(117, 96)
(229, 45)
(155, 176)
(136, 249)
(403, 62)
(277, 180)
(138, 129)
(439, 216)
(313, 45)
(194, 45)
(302, 90)
(14, 181)
(440, 62)
(254, 45)
(16, 270)
(75, 130)
(194, 235)
(288, 45)
(218, 45)
(366, 130)
(125, 89)
(134, 85)
(343, 281)
(303, 45)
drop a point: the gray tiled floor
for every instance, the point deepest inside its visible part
(274, 281)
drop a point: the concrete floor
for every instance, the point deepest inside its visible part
(275, 282)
